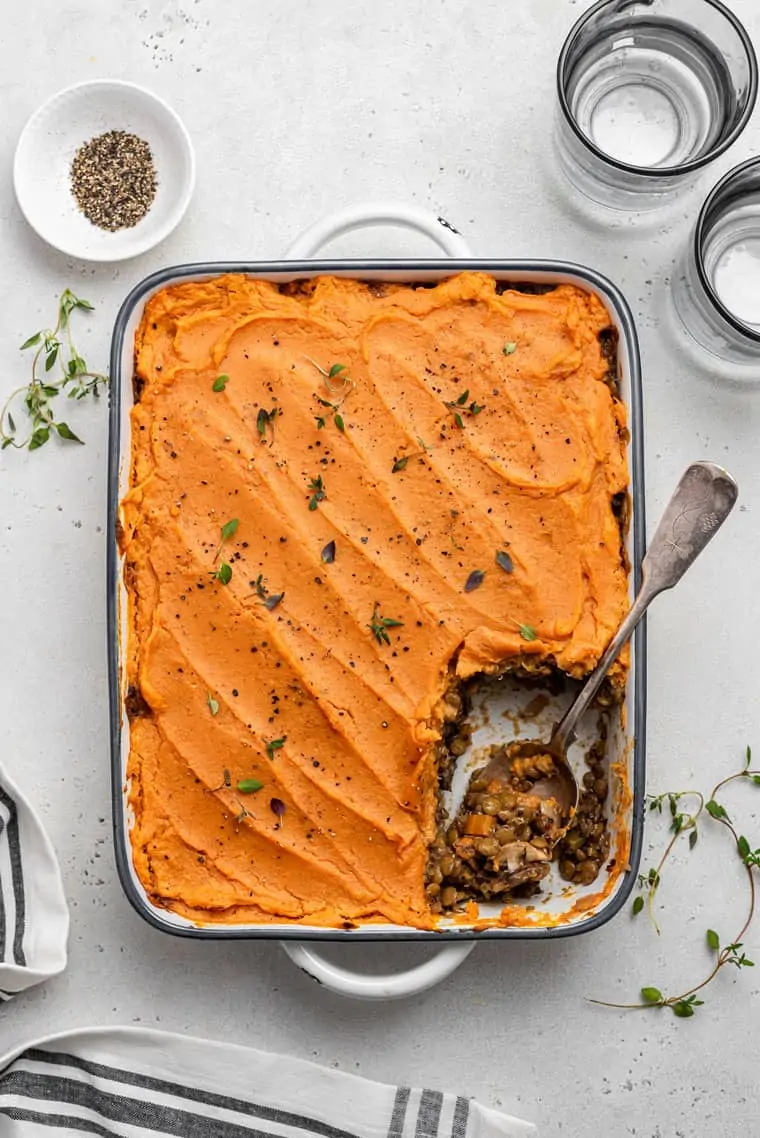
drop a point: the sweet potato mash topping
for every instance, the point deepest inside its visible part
(345, 496)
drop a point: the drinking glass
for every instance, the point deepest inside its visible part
(650, 91)
(716, 290)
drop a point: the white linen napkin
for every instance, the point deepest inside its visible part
(34, 918)
(135, 1083)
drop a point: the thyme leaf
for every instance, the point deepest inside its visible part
(504, 561)
(474, 581)
(249, 785)
(223, 574)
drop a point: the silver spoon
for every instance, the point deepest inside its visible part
(701, 503)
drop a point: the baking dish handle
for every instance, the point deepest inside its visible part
(438, 229)
(389, 987)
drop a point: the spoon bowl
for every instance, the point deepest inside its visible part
(552, 781)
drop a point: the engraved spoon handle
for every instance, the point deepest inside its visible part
(701, 503)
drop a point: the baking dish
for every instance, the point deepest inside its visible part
(562, 910)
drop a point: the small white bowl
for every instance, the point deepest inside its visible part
(51, 138)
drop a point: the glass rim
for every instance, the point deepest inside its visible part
(699, 232)
(661, 171)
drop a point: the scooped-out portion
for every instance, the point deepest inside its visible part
(347, 500)
(510, 827)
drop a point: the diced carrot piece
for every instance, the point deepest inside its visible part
(480, 825)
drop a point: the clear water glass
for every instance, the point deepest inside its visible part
(650, 91)
(716, 291)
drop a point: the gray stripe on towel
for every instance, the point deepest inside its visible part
(166, 1087)
(62, 1122)
(17, 876)
(461, 1115)
(139, 1113)
(429, 1114)
(398, 1116)
(2, 903)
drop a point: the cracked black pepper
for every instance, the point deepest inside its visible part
(113, 180)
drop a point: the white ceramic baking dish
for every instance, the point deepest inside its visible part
(562, 910)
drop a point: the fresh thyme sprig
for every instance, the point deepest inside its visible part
(229, 529)
(331, 373)
(64, 372)
(335, 371)
(225, 784)
(269, 600)
(685, 1003)
(400, 463)
(379, 624)
(680, 823)
(265, 420)
(321, 421)
(460, 406)
(318, 492)
(223, 573)
(275, 745)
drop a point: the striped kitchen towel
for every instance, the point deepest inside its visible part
(34, 919)
(134, 1083)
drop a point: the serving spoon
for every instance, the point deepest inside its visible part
(702, 501)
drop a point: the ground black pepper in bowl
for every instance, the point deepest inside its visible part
(113, 180)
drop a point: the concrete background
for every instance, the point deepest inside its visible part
(296, 108)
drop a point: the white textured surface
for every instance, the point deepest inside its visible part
(296, 107)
